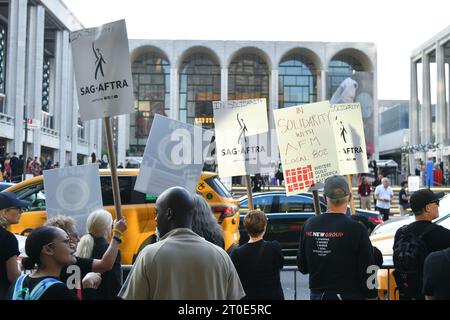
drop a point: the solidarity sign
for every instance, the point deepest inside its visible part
(319, 140)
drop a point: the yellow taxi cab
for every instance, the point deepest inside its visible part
(138, 208)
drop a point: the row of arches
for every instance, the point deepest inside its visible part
(249, 71)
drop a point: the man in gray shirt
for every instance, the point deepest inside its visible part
(182, 265)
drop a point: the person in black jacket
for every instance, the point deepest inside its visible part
(94, 245)
(336, 251)
(259, 262)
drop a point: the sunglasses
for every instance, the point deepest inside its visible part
(66, 241)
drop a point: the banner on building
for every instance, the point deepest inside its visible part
(173, 156)
(349, 136)
(102, 71)
(413, 184)
(73, 191)
(307, 145)
(241, 134)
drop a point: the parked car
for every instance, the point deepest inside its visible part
(286, 216)
(5, 185)
(383, 235)
(138, 208)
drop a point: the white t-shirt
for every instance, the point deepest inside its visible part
(384, 193)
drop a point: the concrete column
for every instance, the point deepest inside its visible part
(35, 61)
(62, 83)
(121, 139)
(72, 95)
(441, 110)
(413, 114)
(273, 97)
(224, 84)
(323, 85)
(174, 94)
(426, 99)
(15, 67)
(99, 135)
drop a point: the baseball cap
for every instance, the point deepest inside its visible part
(9, 199)
(336, 187)
(421, 198)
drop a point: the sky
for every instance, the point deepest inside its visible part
(396, 27)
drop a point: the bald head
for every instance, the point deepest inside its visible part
(174, 210)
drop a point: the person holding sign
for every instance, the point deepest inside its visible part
(336, 251)
(192, 268)
(87, 265)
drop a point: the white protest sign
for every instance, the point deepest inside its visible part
(413, 183)
(349, 135)
(173, 156)
(241, 136)
(307, 147)
(103, 71)
(73, 191)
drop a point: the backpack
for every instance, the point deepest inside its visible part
(410, 251)
(21, 293)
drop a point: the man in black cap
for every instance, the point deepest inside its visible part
(413, 242)
(10, 211)
(336, 251)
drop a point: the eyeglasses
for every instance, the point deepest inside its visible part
(15, 208)
(66, 241)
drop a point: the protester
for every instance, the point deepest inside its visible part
(204, 223)
(8, 173)
(48, 250)
(364, 191)
(87, 265)
(436, 275)
(336, 251)
(14, 163)
(384, 194)
(413, 242)
(94, 245)
(403, 198)
(182, 265)
(259, 262)
(35, 167)
(10, 211)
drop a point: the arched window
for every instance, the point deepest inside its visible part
(248, 78)
(341, 67)
(199, 87)
(151, 73)
(297, 81)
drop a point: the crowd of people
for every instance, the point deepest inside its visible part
(186, 258)
(12, 168)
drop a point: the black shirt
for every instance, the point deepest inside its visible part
(258, 265)
(9, 247)
(400, 198)
(111, 280)
(336, 252)
(57, 291)
(437, 239)
(436, 275)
